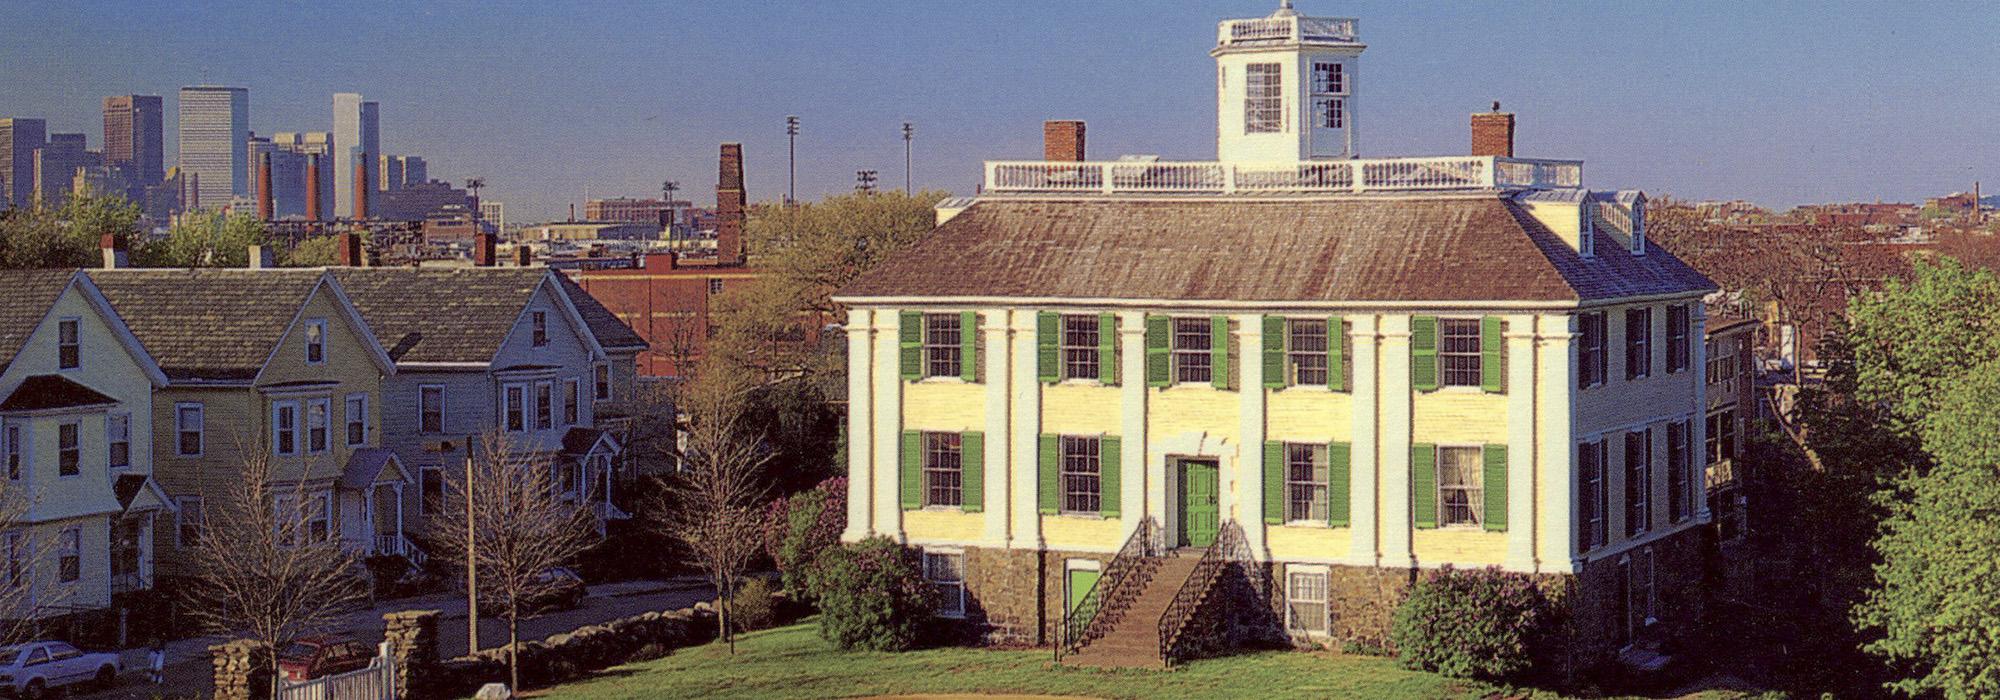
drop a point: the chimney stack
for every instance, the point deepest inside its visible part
(361, 187)
(1062, 140)
(348, 250)
(115, 253)
(312, 187)
(524, 255)
(266, 208)
(1493, 133)
(262, 258)
(729, 201)
(482, 249)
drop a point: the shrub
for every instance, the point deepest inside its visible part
(872, 595)
(797, 529)
(1484, 624)
(384, 572)
(754, 607)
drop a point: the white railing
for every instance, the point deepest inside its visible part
(1303, 177)
(399, 543)
(1295, 28)
(376, 682)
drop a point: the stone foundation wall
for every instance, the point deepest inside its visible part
(1002, 597)
(1680, 586)
(1054, 590)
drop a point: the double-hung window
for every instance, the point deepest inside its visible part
(943, 476)
(318, 517)
(1081, 475)
(317, 420)
(285, 428)
(1677, 338)
(431, 490)
(1329, 79)
(545, 410)
(1458, 351)
(69, 547)
(69, 347)
(1461, 486)
(69, 453)
(118, 440)
(1305, 482)
(1193, 341)
(942, 345)
(1638, 343)
(1680, 489)
(1591, 500)
(430, 408)
(12, 444)
(540, 331)
(1263, 98)
(1330, 113)
(188, 420)
(1306, 599)
(1080, 347)
(188, 517)
(1305, 350)
(572, 399)
(316, 341)
(1591, 365)
(1722, 368)
(1721, 436)
(946, 572)
(357, 419)
(517, 407)
(601, 390)
(1638, 481)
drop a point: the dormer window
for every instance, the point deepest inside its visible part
(69, 349)
(1263, 98)
(1639, 226)
(1586, 232)
(540, 319)
(316, 341)
(1329, 79)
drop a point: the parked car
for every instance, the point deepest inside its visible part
(556, 588)
(315, 657)
(33, 669)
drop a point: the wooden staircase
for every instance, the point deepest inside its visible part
(1133, 640)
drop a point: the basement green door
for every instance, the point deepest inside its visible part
(1080, 583)
(1201, 516)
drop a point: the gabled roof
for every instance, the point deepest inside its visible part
(365, 465)
(1446, 250)
(611, 332)
(48, 391)
(29, 294)
(578, 442)
(445, 315)
(208, 324)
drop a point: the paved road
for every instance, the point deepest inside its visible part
(188, 665)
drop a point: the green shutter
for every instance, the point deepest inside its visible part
(1423, 485)
(1274, 483)
(1336, 346)
(913, 470)
(1048, 356)
(1218, 351)
(972, 471)
(1274, 352)
(1110, 466)
(1424, 353)
(1496, 488)
(1338, 491)
(968, 345)
(1051, 491)
(1159, 354)
(1492, 355)
(1107, 349)
(910, 331)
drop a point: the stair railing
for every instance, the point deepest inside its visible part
(1113, 592)
(1229, 548)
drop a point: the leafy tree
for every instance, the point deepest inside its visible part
(39, 236)
(1915, 339)
(207, 239)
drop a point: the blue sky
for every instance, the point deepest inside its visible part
(1778, 102)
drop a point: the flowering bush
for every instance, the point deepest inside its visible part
(1484, 624)
(872, 595)
(797, 529)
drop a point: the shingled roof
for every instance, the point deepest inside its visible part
(29, 294)
(207, 324)
(1445, 249)
(610, 331)
(440, 314)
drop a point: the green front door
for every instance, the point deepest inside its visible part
(1080, 583)
(1201, 516)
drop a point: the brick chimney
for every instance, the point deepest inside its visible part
(1493, 133)
(1062, 140)
(729, 203)
(312, 187)
(524, 256)
(482, 249)
(348, 250)
(262, 257)
(266, 208)
(361, 187)
(116, 255)
(658, 261)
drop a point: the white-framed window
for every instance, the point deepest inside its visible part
(1305, 482)
(572, 401)
(15, 449)
(946, 571)
(1305, 350)
(1591, 499)
(601, 375)
(942, 345)
(313, 515)
(69, 547)
(1461, 486)
(317, 423)
(1681, 493)
(69, 449)
(516, 408)
(1081, 475)
(1721, 437)
(1638, 481)
(944, 478)
(430, 408)
(1590, 357)
(1722, 367)
(1330, 113)
(545, 409)
(17, 559)
(356, 413)
(188, 520)
(1458, 352)
(1080, 347)
(540, 322)
(69, 346)
(285, 427)
(1263, 98)
(118, 440)
(1192, 342)
(316, 341)
(1638, 343)
(188, 421)
(1329, 78)
(1306, 599)
(431, 488)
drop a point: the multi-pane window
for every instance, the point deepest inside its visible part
(1458, 351)
(285, 427)
(316, 341)
(539, 320)
(941, 345)
(318, 517)
(1461, 486)
(944, 480)
(1080, 475)
(1722, 368)
(1263, 98)
(69, 548)
(545, 410)
(1638, 481)
(188, 421)
(1591, 502)
(69, 350)
(1079, 347)
(1305, 482)
(10, 442)
(715, 285)
(1680, 499)
(1329, 113)
(946, 572)
(572, 397)
(118, 440)
(1721, 436)
(1329, 78)
(1590, 357)
(357, 419)
(1638, 343)
(430, 408)
(316, 424)
(1305, 600)
(69, 454)
(1193, 340)
(517, 407)
(1677, 338)
(1305, 350)
(188, 518)
(602, 382)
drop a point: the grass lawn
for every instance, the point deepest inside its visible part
(793, 662)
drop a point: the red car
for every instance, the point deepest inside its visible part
(314, 657)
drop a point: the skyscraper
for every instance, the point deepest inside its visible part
(357, 130)
(18, 140)
(56, 163)
(215, 136)
(133, 137)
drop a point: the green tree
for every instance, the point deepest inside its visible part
(207, 239)
(1915, 339)
(319, 251)
(39, 236)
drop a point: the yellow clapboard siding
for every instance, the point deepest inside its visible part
(1072, 532)
(943, 525)
(1459, 547)
(1076, 409)
(944, 406)
(1309, 415)
(1458, 417)
(1290, 543)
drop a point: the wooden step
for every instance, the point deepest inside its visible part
(1134, 641)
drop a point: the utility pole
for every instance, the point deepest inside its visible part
(792, 158)
(668, 188)
(864, 181)
(908, 132)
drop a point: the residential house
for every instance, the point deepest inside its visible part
(1334, 373)
(1731, 369)
(79, 503)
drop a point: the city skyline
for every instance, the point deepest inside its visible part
(1770, 104)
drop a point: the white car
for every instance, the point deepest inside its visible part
(33, 669)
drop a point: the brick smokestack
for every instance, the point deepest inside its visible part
(729, 201)
(116, 255)
(348, 248)
(1062, 140)
(312, 188)
(482, 249)
(266, 209)
(1493, 133)
(361, 187)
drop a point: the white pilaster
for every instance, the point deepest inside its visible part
(1363, 453)
(1394, 442)
(1025, 435)
(998, 499)
(1555, 396)
(1521, 443)
(860, 425)
(888, 415)
(1142, 493)
(400, 534)
(1250, 449)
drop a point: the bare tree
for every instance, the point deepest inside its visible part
(29, 584)
(270, 566)
(713, 503)
(521, 525)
